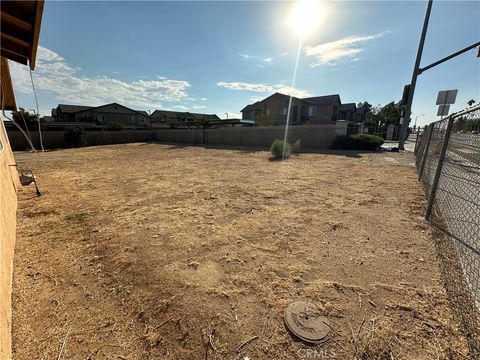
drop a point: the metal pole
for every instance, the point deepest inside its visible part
(446, 58)
(416, 72)
(441, 160)
(416, 142)
(424, 158)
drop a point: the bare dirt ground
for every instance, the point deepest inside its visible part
(151, 251)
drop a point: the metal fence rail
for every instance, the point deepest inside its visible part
(448, 162)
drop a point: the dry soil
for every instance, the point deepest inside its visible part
(153, 251)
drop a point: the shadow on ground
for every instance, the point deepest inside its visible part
(253, 149)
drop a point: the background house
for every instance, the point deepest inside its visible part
(325, 109)
(103, 116)
(273, 110)
(166, 118)
(347, 112)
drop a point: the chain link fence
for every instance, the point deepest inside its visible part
(448, 162)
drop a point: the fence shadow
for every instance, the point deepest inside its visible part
(461, 299)
(448, 162)
(253, 149)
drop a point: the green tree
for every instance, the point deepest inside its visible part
(204, 123)
(114, 126)
(22, 118)
(172, 123)
(388, 114)
(264, 120)
(366, 109)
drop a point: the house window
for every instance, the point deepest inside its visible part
(284, 111)
(100, 117)
(311, 110)
(131, 119)
(268, 112)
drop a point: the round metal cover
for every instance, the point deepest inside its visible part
(305, 321)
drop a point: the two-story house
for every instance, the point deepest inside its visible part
(312, 110)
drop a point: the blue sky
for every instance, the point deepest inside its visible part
(217, 57)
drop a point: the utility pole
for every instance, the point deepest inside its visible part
(416, 72)
(416, 117)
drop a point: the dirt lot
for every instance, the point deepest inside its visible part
(151, 251)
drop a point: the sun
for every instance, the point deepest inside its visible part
(305, 17)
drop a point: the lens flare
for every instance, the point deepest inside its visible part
(305, 17)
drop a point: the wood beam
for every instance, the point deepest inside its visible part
(14, 46)
(36, 33)
(21, 10)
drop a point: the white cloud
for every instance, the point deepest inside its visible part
(264, 88)
(188, 107)
(288, 90)
(246, 56)
(180, 107)
(331, 52)
(55, 75)
(48, 55)
(262, 61)
(245, 86)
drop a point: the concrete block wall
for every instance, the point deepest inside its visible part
(311, 136)
(56, 140)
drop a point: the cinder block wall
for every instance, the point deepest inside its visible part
(311, 136)
(8, 208)
(55, 139)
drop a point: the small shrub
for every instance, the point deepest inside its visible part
(114, 126)
(75, 137)
(370, 142)
(296, 146)
(357, 142)
(280, 149)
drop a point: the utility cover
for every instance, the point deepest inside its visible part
(305, 321)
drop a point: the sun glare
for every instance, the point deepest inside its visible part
(305, 16)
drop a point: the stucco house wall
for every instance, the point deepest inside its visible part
(275, 108)
(322, 110)
(324, 114)
(8, 208)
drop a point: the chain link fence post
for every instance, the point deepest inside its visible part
(425, 153)
(438, 171)
(416, 141)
